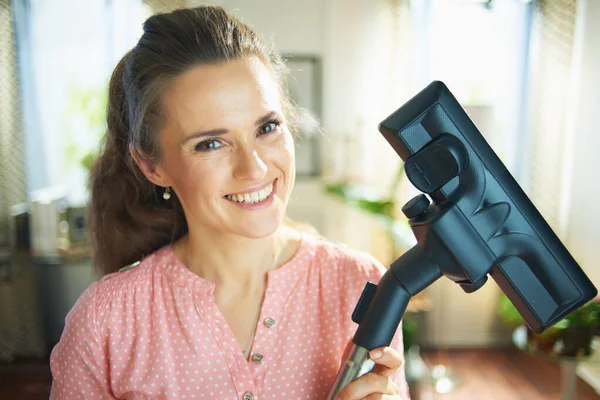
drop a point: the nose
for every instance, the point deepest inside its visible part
(249, 165)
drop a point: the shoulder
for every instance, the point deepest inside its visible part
(133, 274)
(113, 289)
(335, 258)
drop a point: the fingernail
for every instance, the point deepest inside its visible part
(375, 354)
(337, 398)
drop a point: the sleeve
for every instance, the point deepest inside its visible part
(79, 365)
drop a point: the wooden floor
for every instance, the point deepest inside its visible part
(485, 374)
(500, 374)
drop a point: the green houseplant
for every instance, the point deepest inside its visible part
(86, 125)
(572, 336)
(383, 207)
(582, 325)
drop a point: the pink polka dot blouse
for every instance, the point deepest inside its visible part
(155, 332)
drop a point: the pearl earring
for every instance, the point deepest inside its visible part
(167, 193)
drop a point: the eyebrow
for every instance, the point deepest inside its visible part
(222, 131)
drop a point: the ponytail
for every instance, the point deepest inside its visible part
(127, 218)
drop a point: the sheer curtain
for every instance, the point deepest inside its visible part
(13, 187)
(67, 50)
(367, 75)
(580, 212)
(546, 154)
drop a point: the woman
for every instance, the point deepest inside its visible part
(194, 178)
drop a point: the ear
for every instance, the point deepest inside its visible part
(152, 172)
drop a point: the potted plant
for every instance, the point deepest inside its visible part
(581, 327)
(86, 119)
(572, 336)
(383, 207)
(511, 318)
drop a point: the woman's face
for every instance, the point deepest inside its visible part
(226, 149)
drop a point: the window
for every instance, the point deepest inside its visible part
(480, 53)
(72, 49)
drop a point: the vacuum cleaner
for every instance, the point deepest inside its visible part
(472, 220)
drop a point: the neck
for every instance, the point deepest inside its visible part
(235, 262)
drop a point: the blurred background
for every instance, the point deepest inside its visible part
(525, 71)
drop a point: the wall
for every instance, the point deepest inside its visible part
(582, 208)
(294, 26)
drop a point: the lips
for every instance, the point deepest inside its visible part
(252, 195)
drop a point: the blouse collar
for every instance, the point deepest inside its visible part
(287, 273)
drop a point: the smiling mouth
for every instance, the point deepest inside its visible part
(252, 197)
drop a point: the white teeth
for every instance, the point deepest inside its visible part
(254, 197)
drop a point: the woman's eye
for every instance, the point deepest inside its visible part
(269, 127)
(208, 145)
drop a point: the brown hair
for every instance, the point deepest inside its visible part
(128, 217)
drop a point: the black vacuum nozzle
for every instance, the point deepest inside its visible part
(480, 214)
(479, 223)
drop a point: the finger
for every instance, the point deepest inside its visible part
(388, 360)
(366, 385)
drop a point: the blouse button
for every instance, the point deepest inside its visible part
(257, 358)
(269, 322)
(248, 396)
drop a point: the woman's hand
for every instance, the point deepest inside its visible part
(376, 385)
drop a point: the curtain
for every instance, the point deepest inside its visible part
(20, 318)
(13, 186)
(367, 56)
(550, 75)
(369, 49)
(66, 51)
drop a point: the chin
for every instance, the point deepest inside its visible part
(261, 229)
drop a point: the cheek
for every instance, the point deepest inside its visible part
(197, 178)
